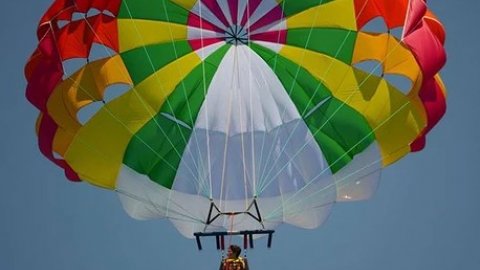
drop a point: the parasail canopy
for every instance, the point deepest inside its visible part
(239, 114)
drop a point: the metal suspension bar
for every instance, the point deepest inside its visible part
(247, 237)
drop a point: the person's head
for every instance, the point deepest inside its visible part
(234, 251)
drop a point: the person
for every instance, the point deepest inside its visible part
(234, 261)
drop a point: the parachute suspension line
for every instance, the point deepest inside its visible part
(209, 164)
(306, 107)
(253, 177)
(111, 113)
(147, 200)
(152, 114)
(291, 212)
(327, 168)
(204, 183)
(264, 177)
(262, 167)
(232, 219)
(238, 96)
(195, 179)
(253, 154)
(188, 217)
(134, 134)
(104, 156)
(277, 131)
(83, 90)
(278, 39)
(128, 129)
(341, 106)
(242, 139)
(338, 183)
(257, 184)
(338, 159)
(201, 183)
(346, 101)
(234, 83)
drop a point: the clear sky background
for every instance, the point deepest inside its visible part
(425, 214)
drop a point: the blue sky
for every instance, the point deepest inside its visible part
(425, 214)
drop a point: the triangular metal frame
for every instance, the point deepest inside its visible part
(257, 216)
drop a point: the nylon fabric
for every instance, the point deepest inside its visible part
(110, 130)
(395, 126)
(340, 131)
(321, 16)
(142, 33)
(80, 90)
(158, 146)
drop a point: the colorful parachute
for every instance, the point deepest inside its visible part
(240, 114)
